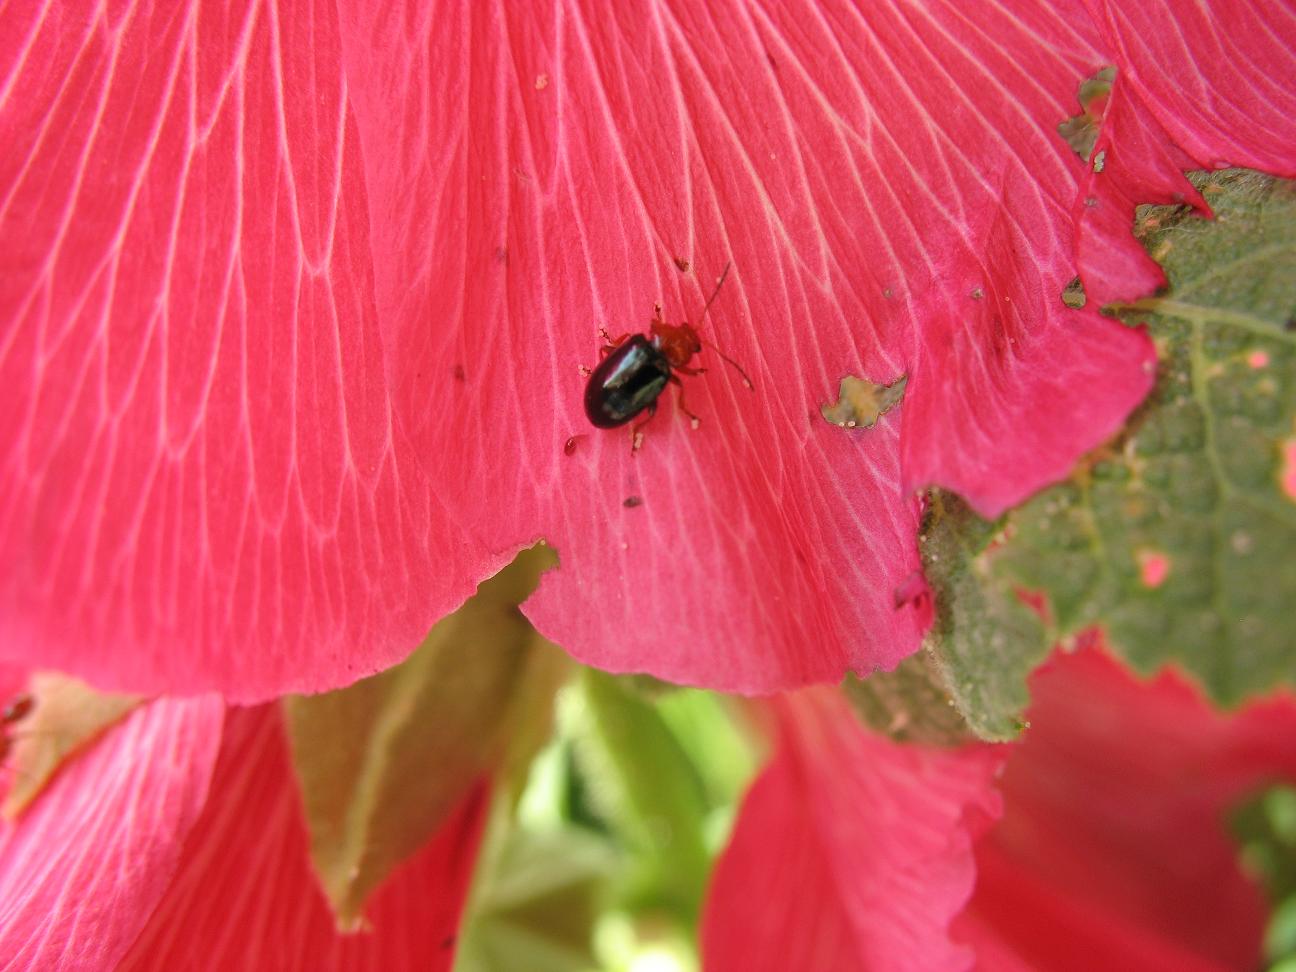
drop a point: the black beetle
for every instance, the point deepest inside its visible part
(636, 369)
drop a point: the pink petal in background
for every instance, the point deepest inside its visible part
(1110, 850)
(1113, 849)
(295, 300)
(83, 868)
(245, 895)
(850, 852)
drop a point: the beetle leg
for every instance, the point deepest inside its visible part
(636, 433)
(694, 421)
(683, 370)
(612, 342)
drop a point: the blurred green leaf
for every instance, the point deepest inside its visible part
(707, 729)
(649, 792)
(1265, 828)
(611, 848)
(535, 902)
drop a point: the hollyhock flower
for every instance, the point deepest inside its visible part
(181, 834)
(850, 852)
(260, 906)
(1114, 848)
(1109, 849)
(295, 297)
(293, 305)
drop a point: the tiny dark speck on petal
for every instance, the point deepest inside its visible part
(682, 265)
(632, 501)
(459, 374)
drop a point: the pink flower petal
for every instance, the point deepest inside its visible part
(245, 896)
(1216, 75)
(850, 852)
(202, 483)
(84, 867)
(298, 300)
(890, 188)
(1113, 851)
(1133, 162)
(1199, 86)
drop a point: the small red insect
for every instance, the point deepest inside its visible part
(636, 369)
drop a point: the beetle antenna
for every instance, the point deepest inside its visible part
(736, 366)
(715, 293)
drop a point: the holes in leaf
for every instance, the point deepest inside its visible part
(1154, 568)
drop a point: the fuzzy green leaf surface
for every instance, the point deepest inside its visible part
(985, 640)
(1178, 537)
(910, 704)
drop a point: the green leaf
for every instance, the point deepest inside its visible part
(710, 731)
(649, 792)
(384, 761)
(911, 704)
(985, 640)
(1178, 538)
(534, 902)
(1265, 828)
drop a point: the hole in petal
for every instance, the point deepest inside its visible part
(1074, 294)
(1081, 131)
(860, 403)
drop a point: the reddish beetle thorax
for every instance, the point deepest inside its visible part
(678, 342)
